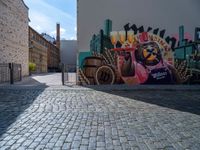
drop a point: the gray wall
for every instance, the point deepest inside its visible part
(68, 51)
(163, 14)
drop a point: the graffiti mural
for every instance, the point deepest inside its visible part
(138, 56)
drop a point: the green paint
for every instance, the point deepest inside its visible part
(82, 56)
(107, 27)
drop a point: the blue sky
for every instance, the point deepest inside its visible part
(44, 14)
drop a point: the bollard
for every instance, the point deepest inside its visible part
(20, 73)
(63, 71)
(11, 73)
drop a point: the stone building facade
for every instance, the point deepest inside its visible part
(14, 33)
(38, 51)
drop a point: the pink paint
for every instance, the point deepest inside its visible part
(141, 74)
(187, 36)
(176, 36)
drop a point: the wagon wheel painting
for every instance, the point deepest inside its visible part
(105, 75)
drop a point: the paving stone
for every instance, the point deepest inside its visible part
(22, 148)
(77, 138)
(21, 140)
(5, 147)
(117, 148)
(40, 147)
(101, 144)
(83, 147)
(15, 146)
(59, 143)
(57, 148)
(75, 144)
(100, 148)
(66, 146)
(116, 142)
(33, 145)
(123, 139)
(2, 143)
(26, 143)
(44, 141)
(92, 145)
(109, 146)
(50, 145)
(84, 141)
(89, 119)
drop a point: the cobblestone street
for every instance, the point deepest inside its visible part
(88, 119)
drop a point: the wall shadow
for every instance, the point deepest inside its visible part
(181, 98)
(14, 100)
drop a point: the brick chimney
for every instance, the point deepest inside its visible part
(58, 35)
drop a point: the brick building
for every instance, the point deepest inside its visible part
(38, 50)
(53, 57)
(14, 33)
(53, 52)
(44, 53)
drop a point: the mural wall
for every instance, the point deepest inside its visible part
(137, 55)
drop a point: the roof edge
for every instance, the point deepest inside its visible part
(25, 4)
(43, 37)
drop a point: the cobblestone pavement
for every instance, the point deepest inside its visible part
(89, 119)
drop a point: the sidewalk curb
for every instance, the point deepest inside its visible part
(108, 88)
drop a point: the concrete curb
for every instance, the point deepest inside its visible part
(107, 87)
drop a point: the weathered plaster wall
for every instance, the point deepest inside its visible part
(14, 33)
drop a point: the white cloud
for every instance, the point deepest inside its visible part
(38, 28)
(44, 18)
(75, 29)
(62, 32)
(39, 21)
(73, 38)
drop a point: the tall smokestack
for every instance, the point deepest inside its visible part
(58, 35)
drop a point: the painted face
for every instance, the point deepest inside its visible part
(150, 53)
(127, 56)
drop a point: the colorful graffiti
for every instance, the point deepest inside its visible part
(137, 56)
